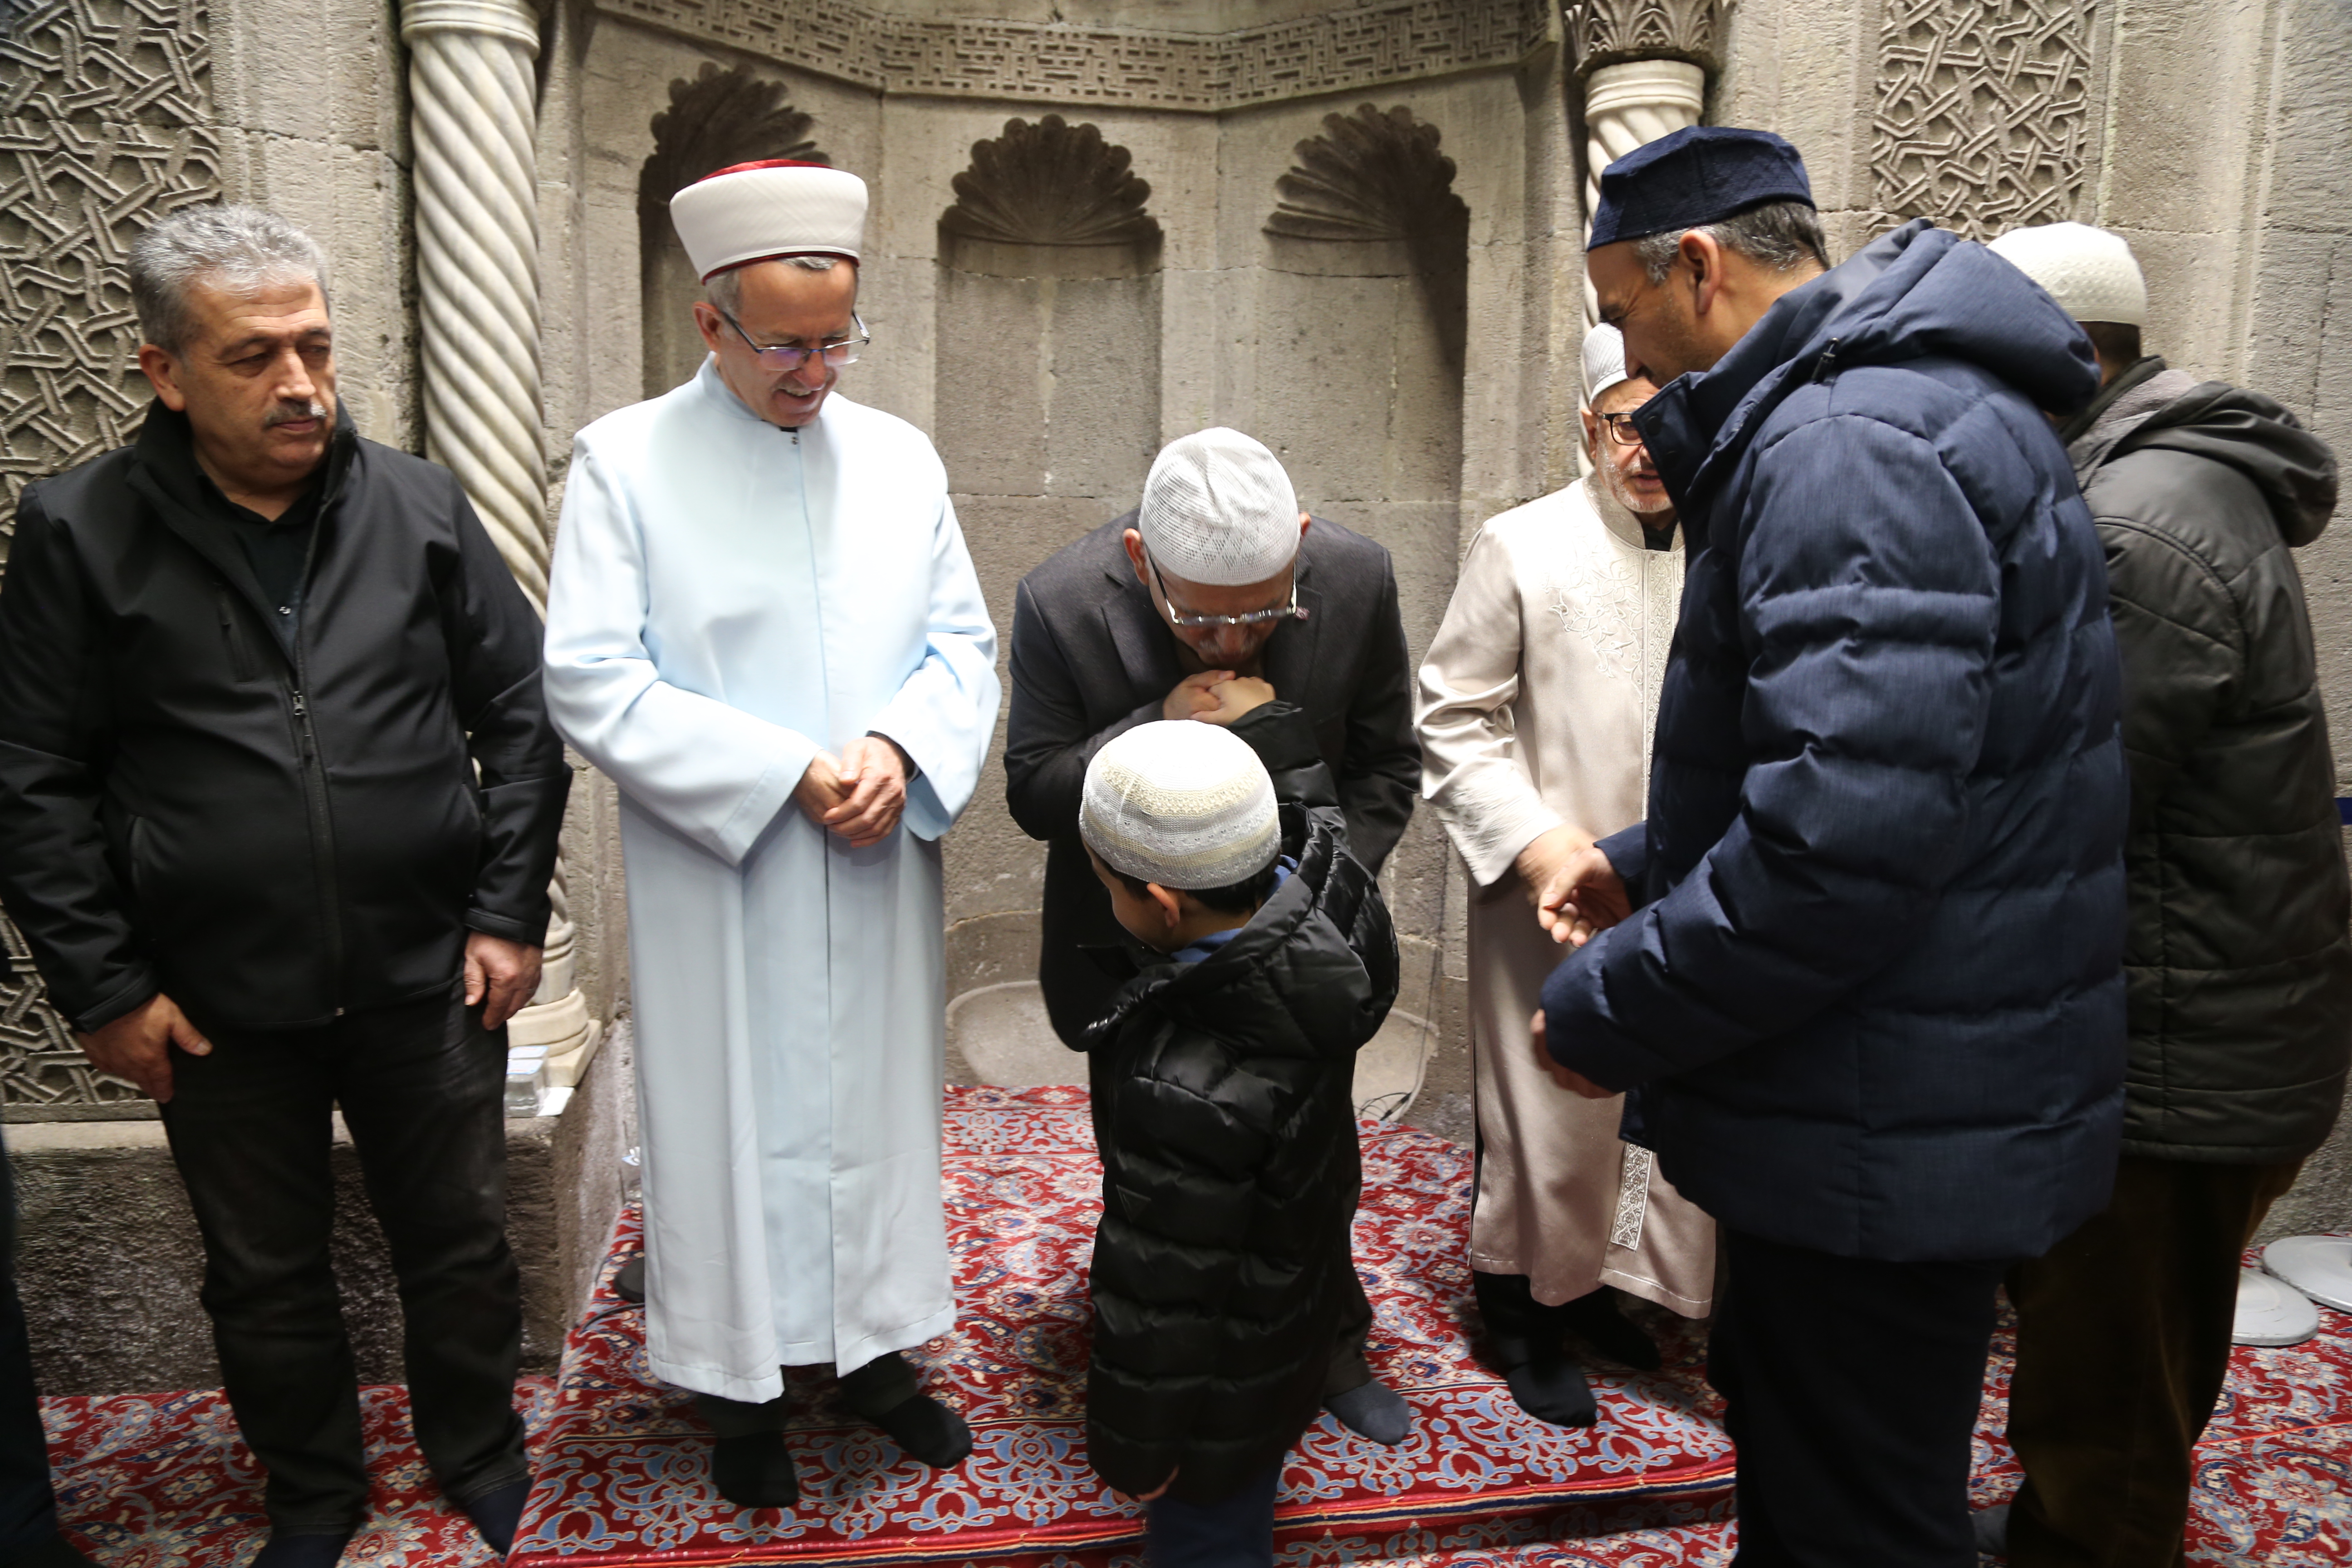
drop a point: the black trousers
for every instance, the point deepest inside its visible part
(28, 1508)
(1852, 1386)
(421, 1087)
(1235, 1531)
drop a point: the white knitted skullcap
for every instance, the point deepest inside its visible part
(1218, 508)
(1604, 361)
(2089, 271)
(1182, 804)
(753, 211)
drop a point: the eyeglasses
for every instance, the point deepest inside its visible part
(1288, 612)
(1620, 428)
(791, 356)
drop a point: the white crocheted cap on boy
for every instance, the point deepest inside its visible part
(2090, 272)
(1182, 804)
(1218, 508)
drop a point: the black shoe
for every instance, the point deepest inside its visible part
(1551, 1388)
(499, 1514)
(1993, 1529)
(755, 1471)
(629, 1284)
(1596, 1319)
(927, 1430)
(51, 1553)
(283, 1550)
(1374, 1410)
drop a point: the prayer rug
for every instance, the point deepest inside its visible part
(164, 1481)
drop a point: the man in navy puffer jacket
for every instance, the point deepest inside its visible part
(1863, 961)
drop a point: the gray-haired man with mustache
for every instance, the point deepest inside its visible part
(278, 803)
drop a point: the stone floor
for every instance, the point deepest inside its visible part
(998, 1034)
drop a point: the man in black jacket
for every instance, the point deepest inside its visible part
(2237, 960)
(278, 805)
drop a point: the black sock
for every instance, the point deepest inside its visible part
(1551, 1388)
(498, 1513)
(754, 1469)
(51, 1553)
(1597, 1320)
(1374, 1410)
(927, 1430)
(283, 1550)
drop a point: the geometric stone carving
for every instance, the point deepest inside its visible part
(1370, 176)
(1983, 116)
(1395, 40)
(720, 118)
(105, 112)
(1050, 183)
(105, 125)
(1608, 32)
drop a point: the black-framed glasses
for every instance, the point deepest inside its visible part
(1287, 611)
(1620, 428)
(837, 353)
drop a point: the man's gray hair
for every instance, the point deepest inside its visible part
(234, 248)
(725, 289)
(1779, 236)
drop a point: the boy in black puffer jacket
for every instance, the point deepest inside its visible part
(1222, 1279)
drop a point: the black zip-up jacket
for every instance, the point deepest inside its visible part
(273, 837)
(1222, 1269)
(2237, 958)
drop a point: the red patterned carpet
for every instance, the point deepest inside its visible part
(162, 1481)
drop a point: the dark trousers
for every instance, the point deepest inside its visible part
(1518, 1328)
(421, 1088)
(1236, 1532)
(2122, 1341)
(883, 1383)
(28, 1508)
(1852, 1388)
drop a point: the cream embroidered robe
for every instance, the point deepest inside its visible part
(1537, 702)
(728, 597)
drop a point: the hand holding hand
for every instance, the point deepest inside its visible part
(820, 789)
(1545, 864)
(138, 1045)
(1191, 697)
(1581, 897)
(873, 778)
(1236, 696)
(501, 975)
(1568, 1077)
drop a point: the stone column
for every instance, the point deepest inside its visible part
(475, 129)
(1642, 66)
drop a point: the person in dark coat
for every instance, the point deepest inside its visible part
(1222, 1278)
(1865, 968)
(1218, 601)
(279, 806)
(2237, 960)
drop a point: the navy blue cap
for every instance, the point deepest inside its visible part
(1698, 175)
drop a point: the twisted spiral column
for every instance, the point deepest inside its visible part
(473, 126)
(1626, 106)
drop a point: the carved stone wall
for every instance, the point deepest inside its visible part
(716, 119)
(1060, 63)
(1984, 116)
(1610, 32)
(105, 125)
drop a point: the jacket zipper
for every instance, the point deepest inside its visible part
(314, 784)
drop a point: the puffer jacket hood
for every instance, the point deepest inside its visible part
(1225, 1117)
(2294, 469)
(1870, 994)
(2238, 958)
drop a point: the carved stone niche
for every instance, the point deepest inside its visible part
(1050, 199)
(1610, 32)
(718, 119)
(1373, 196)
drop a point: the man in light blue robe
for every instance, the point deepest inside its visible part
(763, 625)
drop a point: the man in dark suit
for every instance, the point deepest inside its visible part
(1149, 617)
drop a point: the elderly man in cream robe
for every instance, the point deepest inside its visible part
(764, 627)
(1537, 701)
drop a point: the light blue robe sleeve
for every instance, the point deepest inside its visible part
(944, 713)
(715, 773)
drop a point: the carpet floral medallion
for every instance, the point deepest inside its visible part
(623, 1463)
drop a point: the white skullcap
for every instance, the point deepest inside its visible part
(754, 211)
(2089, 271)
(1182, 804)
(1218, 508)
(1604, 361)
